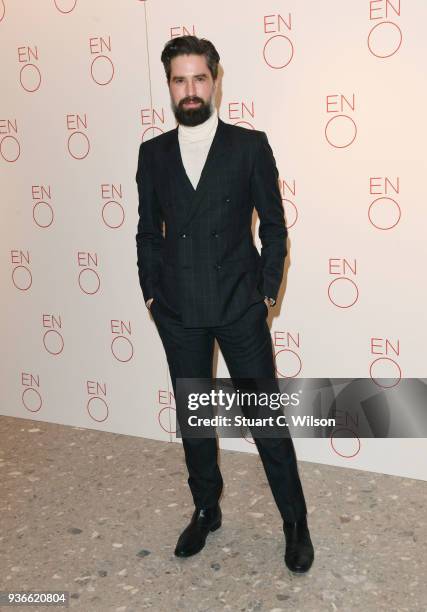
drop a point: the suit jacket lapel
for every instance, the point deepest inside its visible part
(217, 162)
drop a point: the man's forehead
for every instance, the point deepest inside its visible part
(189, 63)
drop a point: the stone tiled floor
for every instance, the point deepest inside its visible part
(98, 515)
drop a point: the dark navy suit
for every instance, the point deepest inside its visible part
(208, 281)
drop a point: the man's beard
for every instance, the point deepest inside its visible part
(192, 116)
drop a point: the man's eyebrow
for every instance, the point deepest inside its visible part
(203, 74)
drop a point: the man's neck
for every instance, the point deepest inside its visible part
(201, 131)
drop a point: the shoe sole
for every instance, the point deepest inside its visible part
(298, 572)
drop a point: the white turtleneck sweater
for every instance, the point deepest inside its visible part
(194, 144)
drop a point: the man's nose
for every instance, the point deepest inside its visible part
(190, 90)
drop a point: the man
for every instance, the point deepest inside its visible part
(203, 278)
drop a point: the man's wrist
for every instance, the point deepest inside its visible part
(271, 301)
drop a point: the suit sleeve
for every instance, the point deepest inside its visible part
(266, 196)
(149, 236)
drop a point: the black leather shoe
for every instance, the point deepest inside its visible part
(193, 538)
(299, 553)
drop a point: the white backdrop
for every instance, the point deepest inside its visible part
(340, 89)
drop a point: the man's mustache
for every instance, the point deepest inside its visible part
(185, 100)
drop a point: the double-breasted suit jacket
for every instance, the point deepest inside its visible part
(195, 250)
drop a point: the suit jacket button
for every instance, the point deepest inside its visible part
(183, 235)
(227, 200)
(214, 234)
(217, 267)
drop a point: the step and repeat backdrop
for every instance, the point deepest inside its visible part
(340, 90)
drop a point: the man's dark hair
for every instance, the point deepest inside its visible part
(186, 45)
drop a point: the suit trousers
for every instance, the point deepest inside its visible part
(248, 353)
